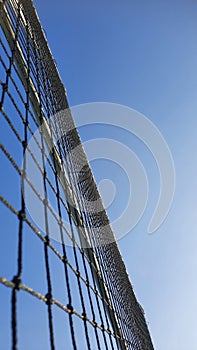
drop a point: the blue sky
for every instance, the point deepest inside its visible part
(143, 55)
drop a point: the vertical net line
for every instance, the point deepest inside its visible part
(78, 272)
(47, 238)
(79, 286)
(17, 277)
(69, 305)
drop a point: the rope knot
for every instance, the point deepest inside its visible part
(17, 281)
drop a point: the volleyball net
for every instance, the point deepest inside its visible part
(67, 285)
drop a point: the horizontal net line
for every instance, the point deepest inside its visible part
(53, 301)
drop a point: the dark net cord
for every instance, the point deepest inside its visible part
(103, 299)
(17, 277)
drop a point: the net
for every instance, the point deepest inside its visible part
(64, 255)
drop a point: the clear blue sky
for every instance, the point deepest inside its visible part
(143, 54)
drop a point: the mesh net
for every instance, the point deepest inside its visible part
(67, 281)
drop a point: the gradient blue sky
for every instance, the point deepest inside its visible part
(143, 55)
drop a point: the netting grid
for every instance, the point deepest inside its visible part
(72, 292)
